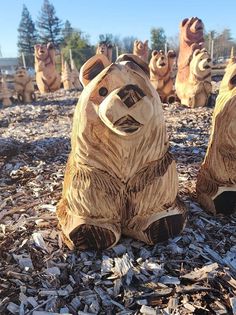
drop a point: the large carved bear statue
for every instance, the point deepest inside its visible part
(47, 77)
(140, 49)
(198, 87)
(160, 66)
(120, 177)
(216, 183)
(191, 38)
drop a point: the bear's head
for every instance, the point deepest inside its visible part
(160, 63)
(191, 31)
(42, 51)
(120, 95)
(21, 75)
(140, 48)
(200, 65)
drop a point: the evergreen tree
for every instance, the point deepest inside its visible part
(49, 25)
(158, 38)
(27, 36)
(66, 31)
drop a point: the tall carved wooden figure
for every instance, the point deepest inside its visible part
(191, 38)
(4, 92)
(24, 86)
(160, 67)
(120, 176)
(47, 78)
(216, 183)
(104, 48)
(75, 76)
(141, 50)
(198, 87)
(66, 77)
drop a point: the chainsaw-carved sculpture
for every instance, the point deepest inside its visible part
(232, 58)
(160, 67)
(198, 87)
(66, 77)
(105, 48)
(216, 183)
(5, 94)
(24, 86)
(191, 38)
(141, 49)
(75, 76)
(120, 176)
(47, 77)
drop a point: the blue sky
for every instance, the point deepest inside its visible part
(119, 17)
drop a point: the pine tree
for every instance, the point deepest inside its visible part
(27, 36)
(49, 25)
(158, 38)
(66, 31)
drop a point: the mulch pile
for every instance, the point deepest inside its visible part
(195, 273)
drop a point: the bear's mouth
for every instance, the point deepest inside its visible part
(162, 64)
(207, 67)
(127, 124)
(233, 80)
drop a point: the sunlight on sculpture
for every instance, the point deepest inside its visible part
(191, 38)
(160, 67)
(120, 177)
(24, 86)
(198, 87)
(47, 77)
(141, 49)
(66, 77)
(216, 183)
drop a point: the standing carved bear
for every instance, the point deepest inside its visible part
(140, 49)
(191, 38)
(216, 182)
(198, 87)
(47, 78)
(105, 48)
(160, 67)
(24, 86)
(120, 176)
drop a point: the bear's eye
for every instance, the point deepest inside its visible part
(103, 91)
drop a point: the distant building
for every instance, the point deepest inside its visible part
(8, 65)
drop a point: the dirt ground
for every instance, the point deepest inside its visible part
(195, 273)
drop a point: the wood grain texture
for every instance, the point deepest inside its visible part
(216, 184)
(47, 78)
(24, 86)
(66, 77)
(160, 66)
(195, 91)
(120, 176)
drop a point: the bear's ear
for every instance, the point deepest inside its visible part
(196, 52)
(154, 53)
(92, 68)
(184, 22)
(136, 61)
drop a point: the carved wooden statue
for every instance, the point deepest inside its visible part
(191, 38)
(120, 176)
(232, 58)
(47, 77)
(5, 94)
(216, 183)
(24, 86)
(66, 77)
(160, 67)
(141, 49)
(104, 48)
(198, 87)
(75, 76)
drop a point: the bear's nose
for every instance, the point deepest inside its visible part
(130, 94)
(209, 60)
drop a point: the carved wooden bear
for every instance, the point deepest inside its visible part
(47, 78)
(24, 86)
(141, 50)
(216, 183)
(198, 88)
(120, 176)
(104, 48)
(160, 67)
(191, 38)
